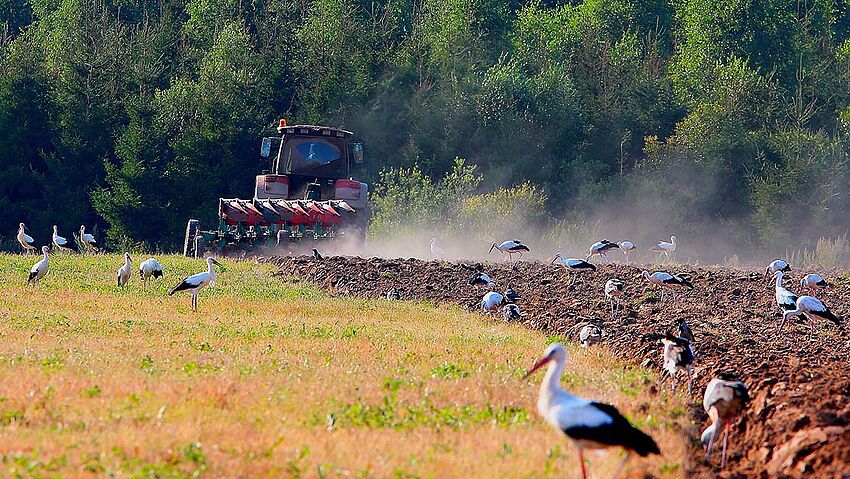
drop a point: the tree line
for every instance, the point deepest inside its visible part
(131, 116)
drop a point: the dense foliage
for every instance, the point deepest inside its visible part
(134, 115)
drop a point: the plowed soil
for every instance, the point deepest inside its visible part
(798, 423)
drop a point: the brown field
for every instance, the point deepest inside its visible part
(273, 379)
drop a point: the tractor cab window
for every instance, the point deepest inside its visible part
(321, 157)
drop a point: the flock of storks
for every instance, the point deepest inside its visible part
(589, 424)
(593, 425)
(150, 268)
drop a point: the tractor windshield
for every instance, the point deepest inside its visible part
(315, 156)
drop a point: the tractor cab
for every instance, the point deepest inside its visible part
(312, 162)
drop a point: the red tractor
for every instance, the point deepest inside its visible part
(308, 196)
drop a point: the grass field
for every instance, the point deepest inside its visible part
(274, 379)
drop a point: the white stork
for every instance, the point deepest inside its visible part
(777, 265)
(393, 295)
(511, 312)
(510, 248)
(812, 282)
(677, 355)
(574, 264)
(41, 268)
(812, 308)
(125, 271)
(665, 248)
(26, 241)
(589, 424)
(785, 300)
(437, 250)
(60, 242)
(149, 268)
(481, 279)
(724, 400)
(601, 248)
(87, 239)
(627, 247)
(614, 291)
(591, 334)
(193, 284)
(664, 280)
(492, 301)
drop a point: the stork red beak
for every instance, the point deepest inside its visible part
(539, 364)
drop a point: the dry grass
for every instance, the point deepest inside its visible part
(277, 380)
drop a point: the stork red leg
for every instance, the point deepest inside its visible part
(581, 461)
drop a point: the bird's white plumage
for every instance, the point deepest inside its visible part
(718, 390)
(614, 288)
(149, 268)
(492, 300)
(777, 265)
(812, 281)
(590, 334)
(574, 264)
(193, 284)
(40, 268)
(59, 241)
(666, 247)
(627, 246)
(88, 239)
(25, 240)
(125, 270)
(436, 250)
(785, 299)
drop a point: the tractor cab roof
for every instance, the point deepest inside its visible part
(313, 130)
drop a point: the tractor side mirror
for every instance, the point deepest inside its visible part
(266, 147)
(357, 152)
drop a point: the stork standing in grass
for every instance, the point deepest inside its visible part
(393, 295)
(60, 242)
(678, 356)
(125, 271)
(89, 243)
(614, 291)
(575, 265)
(724, 400)
(812, 282)
(601, 248)
(777, 265)
(25, 240)
(40, 268)
(666, 280)
(589, 424)
(812, 308)
(666, 248)
(149, 268)
(627, 247)
(510, 248)
(195, 283)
